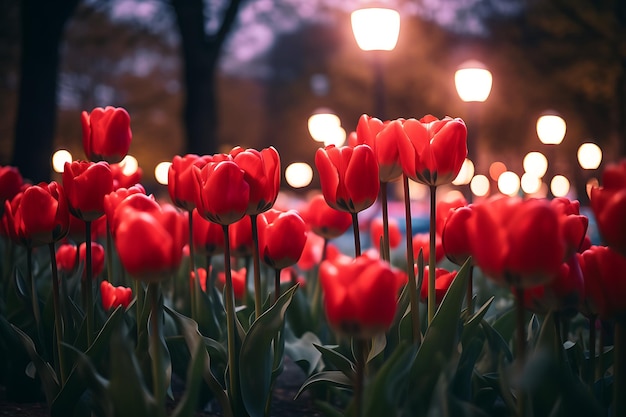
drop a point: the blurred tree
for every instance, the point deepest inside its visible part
(201, 53)
(42, 24)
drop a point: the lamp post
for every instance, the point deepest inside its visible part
(551, 129)
(473, 83)
(376, 29)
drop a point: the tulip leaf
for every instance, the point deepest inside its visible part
(49, 380)
(473, 323)
(379, 342)
(75, 386)
(165, 360)
(256, 356)
(384, 394)
(302, 350)
(439, 342)
(333, 378)
(187, 405)
(337, 360)
(193, 338)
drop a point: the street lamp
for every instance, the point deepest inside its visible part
(551, 128)
(473, 83)
(376, 29)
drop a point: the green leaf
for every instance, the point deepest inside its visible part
(378, 346)
(187, 405)
(439, 343)
(256, 355)
(48, 377)
(193, 338)
(302, 350)
(472, 325)
(74, 387)
(337, 360)
(165, 360)
(333, 378)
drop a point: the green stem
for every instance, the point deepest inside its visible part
(521, 345)
(88, 283)
(33, 289)
(619, 368)
(432, 305)
(109, 255)
(58, 323)
(276, 284)
(359, 377)
(386, 251)
(158, 376)
(415, 312)
(258, 302)
(357, 238)
(317, 290)
(469, 294)
(230, 321)
(139, 305)
(192, 267)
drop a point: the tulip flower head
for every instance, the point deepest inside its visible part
(208, 237)
(282, 236)
(443, 280)
(324, 220)
(609, 205)
(432, 151)
(106, 134)
(97, 258)
(67, 258)
(376, 232)
(86, 184)
(113, 297)
(11, 183)
(371, 131)
(239, 281)
(359, 295)
(181, 182)
(348, 176)
(262, 172)
(604, 272)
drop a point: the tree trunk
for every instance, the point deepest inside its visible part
(42, 30)
(200, 58)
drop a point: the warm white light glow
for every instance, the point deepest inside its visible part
(160, 172)
(417, 191)
(592, 183)
(336, 136)
(479, 185)
(298, 174)
(508, 183)
(376, 29)
(551, 129)
(530, 183)
(559, 186)
(129, 165)
(321, 122)
(589, 155)
(59, 158)
(465, 174)
(473, 81)
(535, 164)
(453, 195)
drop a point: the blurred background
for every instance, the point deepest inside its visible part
(203, 76)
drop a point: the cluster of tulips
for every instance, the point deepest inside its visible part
(190, 260)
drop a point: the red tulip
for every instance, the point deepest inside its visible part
(97, 258)
(443, 280)
(604, 272)
(521, 242)
(208, 237)
(11, 183)
(282, 237)
(422, 241)
(39, 216)
(262, 173)
(150, 243)
(312, 252)
(67, 258)
(371, 131)
(359, 296)
(77, 229)
(324, 220)
(348, 176)
(106, 134)
(376, 232)
(119, 208)
(445, 209)
(573, 224)
(122, 180)
(181, 181)
(202, 277)
(241, 243)
(239, 281)
(86, 184)
(113, 200)
(113, 297)
(458, 234)
(432, 151)
(222, 193)
(609, 205)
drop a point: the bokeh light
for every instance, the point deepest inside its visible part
(536, 164)
(589, 155)
(479, 185)
(299, 174)
(559, 186)
(465, 174)
(496, 169)
(509, 183)
(59, 158)
(530, 183)
(129, 165)
(160, 172)
(551, 129)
